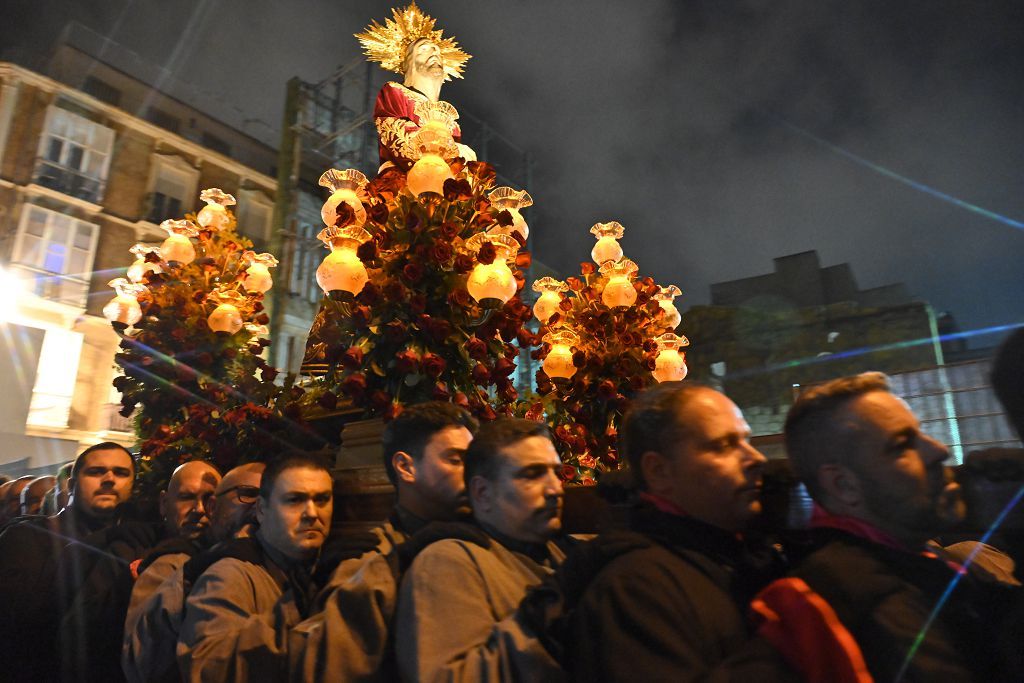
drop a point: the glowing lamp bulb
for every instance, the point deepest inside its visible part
(225, 318)
(606, 249)
(618, 292)
(558, 364)
(546, 306)
(492, 284)
(123, 309)
(178, 248)
(428, 175)
(550, 297)
(672, 317)
(257, 278)
(214, 215)
(670, 364)
(343, 271)
(508, 199)
(344, 186)
(140, 268)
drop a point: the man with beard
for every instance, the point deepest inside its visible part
(348, 638)
(666, 600)
(241, 607)
(882, 490)
(457, 610)
(155, 615)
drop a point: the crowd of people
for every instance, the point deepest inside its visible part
(471, 577)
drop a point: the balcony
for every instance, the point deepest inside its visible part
(113, 421)
(64, 289)
(69, 181)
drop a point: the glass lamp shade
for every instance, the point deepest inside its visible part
(225, 318)
(558, 364)
(669, 366)
(428, 175)
(140, 267)
(124, 309)
(492, 284)
(178, 248)
(546, 306)
(465, 151)
(672, 317)
(215, 214)
(212, 216)
(342, 270)
(607, 249)
(257, 278)
(618, 292)
(329, 212)
(508, 199)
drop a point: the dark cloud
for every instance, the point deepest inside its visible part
(703, 126)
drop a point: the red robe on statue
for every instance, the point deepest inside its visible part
(395, 117)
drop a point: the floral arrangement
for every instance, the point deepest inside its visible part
(606, 336)
(428, 308)
(190, 314)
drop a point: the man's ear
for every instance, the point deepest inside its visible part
(405, 466)
(841, 485)
(654, 467)
(480, 493)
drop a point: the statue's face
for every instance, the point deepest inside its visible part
(424, 59)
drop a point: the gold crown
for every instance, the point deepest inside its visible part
(387, 44)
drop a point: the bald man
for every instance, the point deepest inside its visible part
(154, 617)
(33, 494)
(12, 498)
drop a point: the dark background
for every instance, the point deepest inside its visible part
(721, 134)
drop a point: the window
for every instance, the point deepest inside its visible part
(161, 118)
(309, 252)
(58, 250)
(74, 155)
(173, 187)
(213, 142)
(55, 379)
(255, 213)
(101, 90)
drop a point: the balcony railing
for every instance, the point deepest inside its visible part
(64, 289)
(69, 181)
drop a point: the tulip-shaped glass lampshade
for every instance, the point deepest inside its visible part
(558, 362)
(665, 297)
(257, 275)
(492, 284)
(550, 296)
(124, 310)
(214, 215)
(342, 269)
(507, 199)
(607, 247)
(257, 331)
(141, 267)
(178, 245)
(345, 186)
(227, 315)
(619, 290)
(670, 364)
(431, 145)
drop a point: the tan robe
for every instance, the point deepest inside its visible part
(347, 638)
(154, 620)
(457, 616)
(236, 625)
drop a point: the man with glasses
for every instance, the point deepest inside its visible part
(154, 618)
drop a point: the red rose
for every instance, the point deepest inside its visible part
(448, 231)
(352, 357)
(523, 259)
(504, 218)
(463, 263)
(457, 190)
(587, 268)
(440, 392)
(354, 385)
(488, 252)
(579, 359)
(407, 362)
(536, 412)
(526, 338)
(395, 292)
(476, 348)
(575, 284)
(565, 305)
(417, 303)
(482, 171)
(631, 338)
(378, 213)
(442, 252)
(503, 368)
(369, 295)
(461, 399)
(367, 251)
(481, 375)
(650, 346)
(395, 331)
(606, 389)
(459, 297)
(262, 319)
(508, 393)
(412, 272)
(345, 215)
(433, 364)
(485, 412)
(361, 315)
(520, 279)
(567, 472)
(650, 363)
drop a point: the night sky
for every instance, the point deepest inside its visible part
(721, 134)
